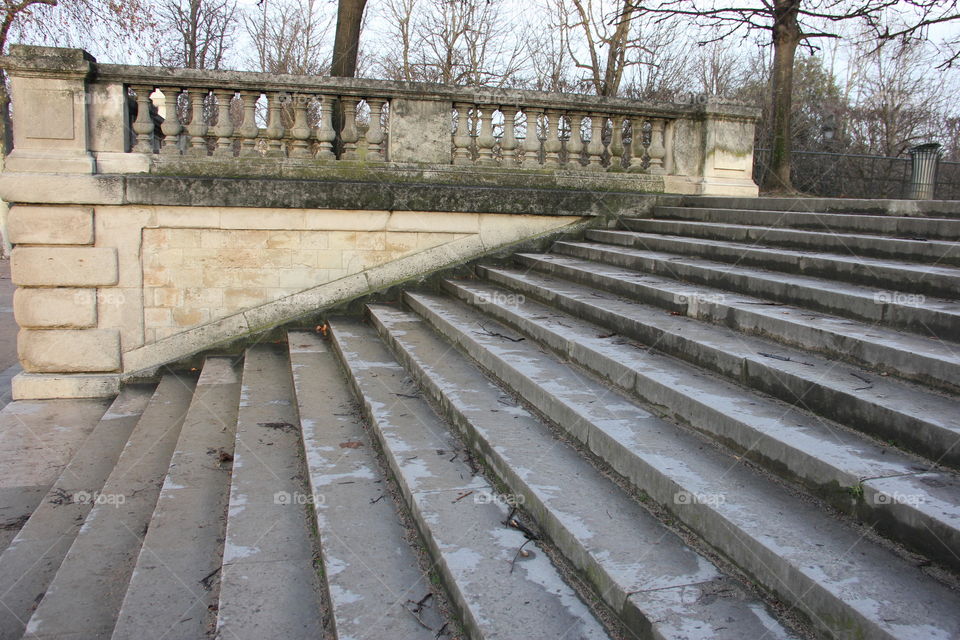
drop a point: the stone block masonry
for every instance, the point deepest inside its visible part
(153, 284)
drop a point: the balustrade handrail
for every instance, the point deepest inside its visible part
(359, 87)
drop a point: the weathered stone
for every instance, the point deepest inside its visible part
(58, 307)
(420, 131)
(50, 225)
(63, 267)
(43, 386)
(64, 351)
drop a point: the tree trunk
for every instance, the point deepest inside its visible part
(786, 37)
(6, 131)
(346, 44)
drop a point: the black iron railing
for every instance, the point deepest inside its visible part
(846, 175)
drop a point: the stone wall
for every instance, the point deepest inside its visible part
(108, 291)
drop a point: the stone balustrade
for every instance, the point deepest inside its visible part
(74, 114)
(204, 121)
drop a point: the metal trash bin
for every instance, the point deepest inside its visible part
(923, 165)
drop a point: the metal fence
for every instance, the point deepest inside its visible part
(844, 175)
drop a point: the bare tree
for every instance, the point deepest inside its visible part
(289, 36)
(719, 68)
(662, 64)
(550, 64)
(613, 48)
(346, 45)
(397, 59)
(199, 32)
(897, 100)
(468, 42)
(791, 23)
(64, 22)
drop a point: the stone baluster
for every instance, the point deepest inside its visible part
(325, 133)
(171, 126)
(143, 125)
(300, 131)
(375, 134)
(639, 146)
(552, 144)
(461, 139)
(485, 140)
(616, 143)
(275, 128)
(657, 151)
(249, 129)
(508, 144)
(576, 144)
(349, 135)
(531, 145)
(595, 148)
(224, 128)
(197, 129)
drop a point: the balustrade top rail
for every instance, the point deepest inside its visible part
(359, 87)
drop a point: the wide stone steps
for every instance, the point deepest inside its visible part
(824, 567)
(915, 418)
(856, 245)
(174, 584)
(646, 573)
(31, 561)
(925, 360)
(465, 530)
(85, 595)
(935, 209)
(855, 475)
(893, 226)
(371, 568)
(691, 430)
(906, 277)
(929, 317)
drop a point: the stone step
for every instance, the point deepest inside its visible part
(847, 244)
(174, 584)
(846, 584)
(917, 419)
(931, 362)
(872, 207)
(892, 226)
(84, 598)
(885, 489)
(31, 561)
(657, 584)
(27, 471)
(937, 318)
(904, 277)
(462, 523)
(269, 584)
(372, 571)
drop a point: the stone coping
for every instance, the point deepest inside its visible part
(533, 195)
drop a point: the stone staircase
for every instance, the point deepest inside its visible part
(708, 423)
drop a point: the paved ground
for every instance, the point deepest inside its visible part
(8, 333)
(37, 438)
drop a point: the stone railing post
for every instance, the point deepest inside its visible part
(420, 130)
(49, 91)
(709, 152)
